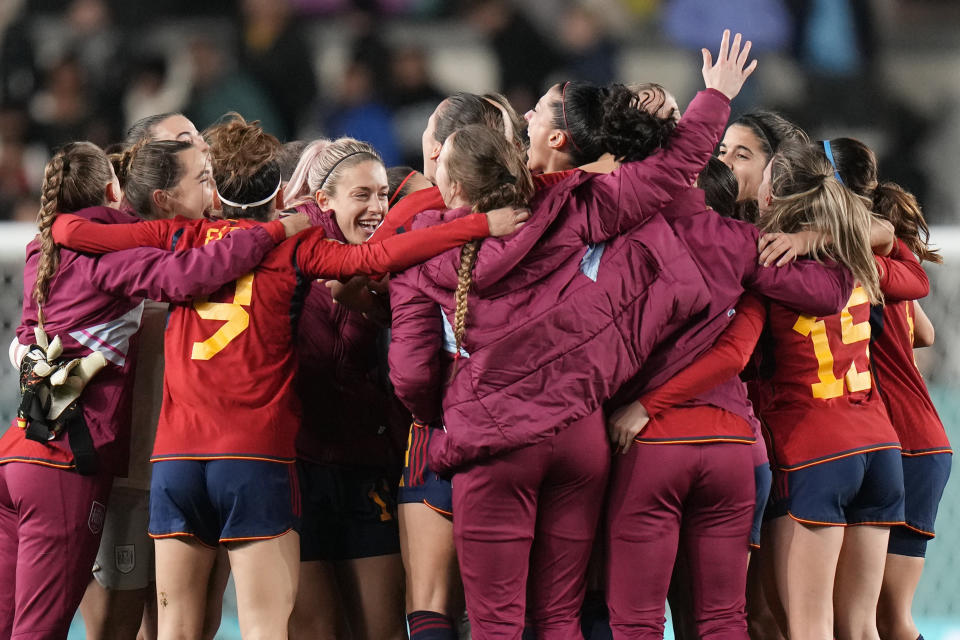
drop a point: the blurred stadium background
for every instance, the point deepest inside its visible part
(884, 71)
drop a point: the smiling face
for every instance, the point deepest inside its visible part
(544, 154)
(359, 201)
(193, 195)
(742, 151)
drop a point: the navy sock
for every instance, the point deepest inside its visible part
(430, 625)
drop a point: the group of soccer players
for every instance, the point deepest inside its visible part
(634, 372)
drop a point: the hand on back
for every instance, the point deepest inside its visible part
(506, 220)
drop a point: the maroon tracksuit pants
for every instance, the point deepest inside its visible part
(524, 525)
(50, 526)
(662, 495)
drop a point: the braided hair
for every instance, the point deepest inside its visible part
(74, 179)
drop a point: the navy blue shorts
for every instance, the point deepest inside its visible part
(349, 512)
(763, 478)
(924, 478)
(218, 501)
(865, 488)
(418, 483)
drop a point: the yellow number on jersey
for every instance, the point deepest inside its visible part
(236, 317)
(850, 333)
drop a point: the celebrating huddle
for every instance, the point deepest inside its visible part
(616, 365)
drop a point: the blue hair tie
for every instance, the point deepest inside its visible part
(829, 152)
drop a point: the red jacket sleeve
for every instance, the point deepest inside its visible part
(623, 199)
(415, 347)
(320, 257)
(724, 360)
(400, 216)
(901, 275)
(81, 234)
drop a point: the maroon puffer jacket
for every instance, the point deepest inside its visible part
(550, 339)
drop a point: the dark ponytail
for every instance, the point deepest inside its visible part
(857, 165)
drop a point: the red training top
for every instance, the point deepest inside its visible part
(908, 403)
(823, 403)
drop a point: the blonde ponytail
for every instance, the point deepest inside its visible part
(807, 197)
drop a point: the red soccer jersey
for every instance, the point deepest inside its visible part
(911, 411)
(824, 404)
(228, 387)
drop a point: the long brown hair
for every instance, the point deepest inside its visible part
(491, 173)
(75, 178)
(807, 197)
(857, 166)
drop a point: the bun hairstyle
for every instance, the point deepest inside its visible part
(148, 166)
(601, 120)
(652, 97)
(462, 109)
(75, 178)
(807, 197)
(720, 188)
(857, 166)
(322, 164)
(491, 173)
(245, 169)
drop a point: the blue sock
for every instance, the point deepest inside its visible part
(430, 625)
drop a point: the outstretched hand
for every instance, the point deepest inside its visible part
(728, 74)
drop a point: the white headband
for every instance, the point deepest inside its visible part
(243, 207)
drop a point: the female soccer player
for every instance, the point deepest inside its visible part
(123, 572)
(350, 443)
(925, 451)
(208, 474)
(837, 492)
(53, 493)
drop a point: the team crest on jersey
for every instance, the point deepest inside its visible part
(98, 513)
(125, 557)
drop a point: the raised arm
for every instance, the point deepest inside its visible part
(724, 360)
(415, 347)
(637, 190)
(901, 275)
(320, 257)
(178, 276)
